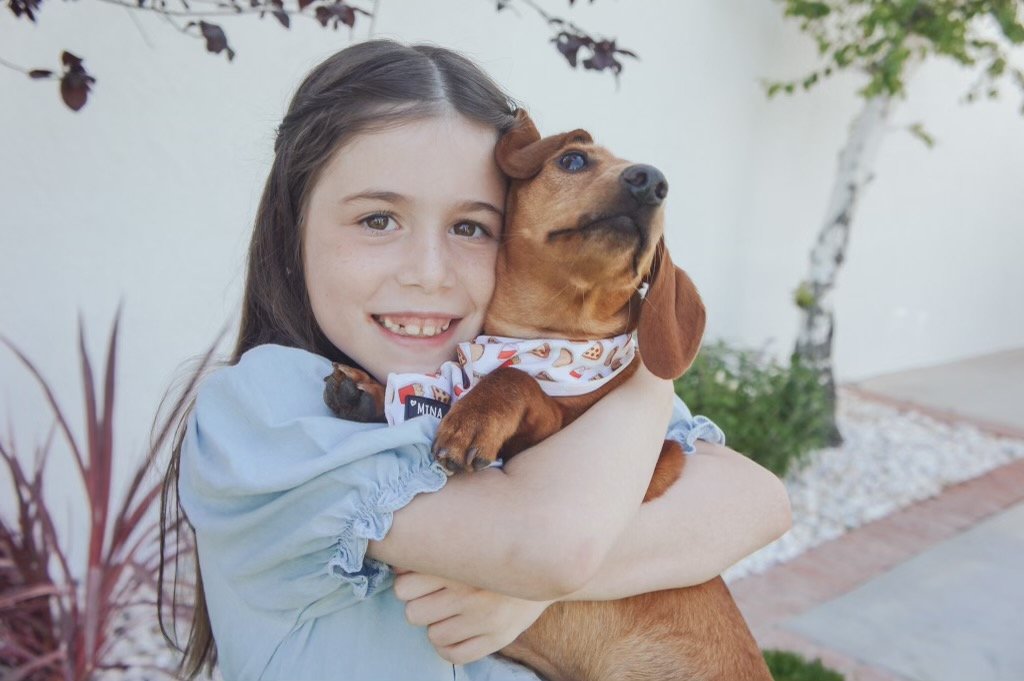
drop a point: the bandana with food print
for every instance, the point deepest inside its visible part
(562, 368)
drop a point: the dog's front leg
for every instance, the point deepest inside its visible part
(503, 414)
(354, 395)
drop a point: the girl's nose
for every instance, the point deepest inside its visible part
(428, 262)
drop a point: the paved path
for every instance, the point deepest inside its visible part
(930, 593)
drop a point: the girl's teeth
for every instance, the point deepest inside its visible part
(414, 329)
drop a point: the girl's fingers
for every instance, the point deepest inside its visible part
(450, 633)
(433, 608)
(412, 585)
(468, 651)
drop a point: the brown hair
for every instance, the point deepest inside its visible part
(367, 86)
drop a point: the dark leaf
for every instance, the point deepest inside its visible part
(39, 73)
(71, 61)
(345, 14)
(339, 12)
(25, 7)
(282, 17)
(216, 40)
(569, 45)
(76, 83)
(303, 4)
(603, 58)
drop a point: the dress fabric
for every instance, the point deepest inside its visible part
(284, 498)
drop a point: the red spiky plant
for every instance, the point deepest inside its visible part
(63, 621)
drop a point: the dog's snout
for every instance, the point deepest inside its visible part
(646, 184)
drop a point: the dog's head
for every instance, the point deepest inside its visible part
(583, 231)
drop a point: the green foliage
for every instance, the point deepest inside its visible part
(918, 131)
(881, 37)
(774, 414)
(787, 666)
(804, 296)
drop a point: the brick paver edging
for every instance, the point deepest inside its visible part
(839, 566)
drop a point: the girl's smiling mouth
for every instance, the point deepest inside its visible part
(416, 325)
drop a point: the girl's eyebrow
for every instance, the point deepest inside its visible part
(394, 197)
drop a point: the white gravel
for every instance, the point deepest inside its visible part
(890, 458)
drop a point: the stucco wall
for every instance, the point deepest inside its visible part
(147, 195)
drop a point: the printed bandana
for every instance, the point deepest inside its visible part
(561, 367)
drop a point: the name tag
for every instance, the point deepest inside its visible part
(420, 406)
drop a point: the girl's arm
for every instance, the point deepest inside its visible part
(542, 527)
(723, 508)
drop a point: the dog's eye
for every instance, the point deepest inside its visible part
(573, 161)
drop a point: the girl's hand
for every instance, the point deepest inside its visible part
(464, 623)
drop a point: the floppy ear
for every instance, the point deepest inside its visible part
(521, 152)
(671, 318)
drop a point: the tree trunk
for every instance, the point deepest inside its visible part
(856, 160)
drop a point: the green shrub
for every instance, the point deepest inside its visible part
(774, 414)
(787, 666)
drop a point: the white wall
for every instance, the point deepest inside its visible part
(147, 195)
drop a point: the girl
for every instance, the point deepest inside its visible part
(374, 245)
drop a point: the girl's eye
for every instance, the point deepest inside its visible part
(573, 161)
(470, 229)
(378, 222)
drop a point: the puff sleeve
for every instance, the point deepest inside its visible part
(283, 495)
(685, 428)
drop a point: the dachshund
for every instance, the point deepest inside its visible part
(583, 256)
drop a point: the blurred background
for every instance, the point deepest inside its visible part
(145, 197)
(147, 194)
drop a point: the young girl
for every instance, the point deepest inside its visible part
(374, 245)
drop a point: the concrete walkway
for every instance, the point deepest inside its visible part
(932, 592)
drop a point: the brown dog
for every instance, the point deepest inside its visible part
(583, 233)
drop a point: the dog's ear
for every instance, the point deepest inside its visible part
(671, 318)
(521, 151)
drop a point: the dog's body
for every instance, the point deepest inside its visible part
(583, 230)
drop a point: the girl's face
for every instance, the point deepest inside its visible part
(400, 241)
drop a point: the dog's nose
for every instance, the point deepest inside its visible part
(646, 184)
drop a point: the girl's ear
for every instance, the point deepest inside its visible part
(521, 153)
(671, 319)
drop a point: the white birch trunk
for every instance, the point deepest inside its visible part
(856, 161)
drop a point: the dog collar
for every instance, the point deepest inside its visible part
(562, 368)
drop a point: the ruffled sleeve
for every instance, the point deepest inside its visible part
(686, 429)
(284, 496)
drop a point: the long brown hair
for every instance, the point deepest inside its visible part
(367, 86)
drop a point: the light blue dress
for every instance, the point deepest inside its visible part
(284, 497)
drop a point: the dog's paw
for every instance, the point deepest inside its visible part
(469, 438)
(353, 395)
